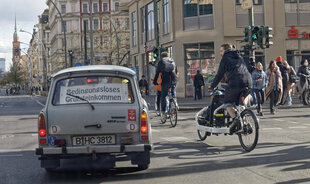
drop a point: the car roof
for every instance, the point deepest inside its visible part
(96, 68)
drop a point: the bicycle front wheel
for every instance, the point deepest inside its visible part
(248, 138)
(173, 113)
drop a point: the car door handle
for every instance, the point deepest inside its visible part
(95, 125)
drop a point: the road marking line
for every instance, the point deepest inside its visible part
(34, 135)
(278, 119)
(40, 103)
(154, 130)
(307, 124)
(175, 139)
(271, 128)
(6, 136)
(14, 150)
(17, 155)
(294, 122)
(297, 127)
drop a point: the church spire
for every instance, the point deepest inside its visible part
(15, 32)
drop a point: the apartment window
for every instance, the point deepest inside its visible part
(242, 17)
(85, 8)
(85, 25)
(297, 12)
(143, 25)
(95, 7)
(96, 24)
(126, 24)
(198, 14)
(150, 22)
(105, 7)
(63, 8)
(199, 56)
(166, 16)
(117, 23)
(105, 41)
(116, 6)
(105, 24)
(64, 26)
(134, 28)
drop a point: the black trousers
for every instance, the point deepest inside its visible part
(198, 93)
(260, 96)
(158, 96)
(274, 96)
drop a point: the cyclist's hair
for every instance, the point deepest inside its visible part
(164, 54)
(228, 46)
(271, 62)
(303, 61)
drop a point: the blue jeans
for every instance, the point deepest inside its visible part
(164, 93)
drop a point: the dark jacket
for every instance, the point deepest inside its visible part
(303, 72)
(167, 77)
(143, 83)
(236, 71)
(284, 72)
(198, 80)
(251, 67)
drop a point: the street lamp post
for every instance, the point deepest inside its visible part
(65, 40)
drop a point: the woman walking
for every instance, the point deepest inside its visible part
(274, 87)
(290, 83)
(260, 81)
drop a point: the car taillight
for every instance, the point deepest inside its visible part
(42, 126)
(144, 128)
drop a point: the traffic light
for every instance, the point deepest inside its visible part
(260, 37)
(247, 34)
(255, 33)
(155, 52)
(268, 36)
(71, 57)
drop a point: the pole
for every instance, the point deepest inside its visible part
(157, 28)
(91, 31)
(251, 23)
(85, 44)
(65, 40)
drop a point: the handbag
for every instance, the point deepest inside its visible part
(292, 78)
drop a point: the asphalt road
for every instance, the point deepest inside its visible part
(281, 156)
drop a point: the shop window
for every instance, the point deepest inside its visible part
(199, 57)
(297, 12)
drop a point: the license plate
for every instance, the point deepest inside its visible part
(93, 140)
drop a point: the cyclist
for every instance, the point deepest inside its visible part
(238, 77)
(166, 66)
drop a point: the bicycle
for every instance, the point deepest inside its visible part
(216, 120)
(172, 110)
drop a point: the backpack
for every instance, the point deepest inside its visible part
(168, 65)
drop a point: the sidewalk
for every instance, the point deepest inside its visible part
(189, 104)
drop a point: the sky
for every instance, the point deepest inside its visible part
(27, 12)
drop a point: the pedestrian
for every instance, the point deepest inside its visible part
(260, 81)
(304, 74)
(284, 73)
(274, 87)
(157, 88)
(7, 91)
(198, 83)
(144, 86)
(288, 91)
(37, 89)
(251, 66)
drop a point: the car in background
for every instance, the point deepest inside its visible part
(95, 116)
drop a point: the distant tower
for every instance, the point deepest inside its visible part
(16, 55)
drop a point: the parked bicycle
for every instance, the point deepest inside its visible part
(172, 110)
(216, 120)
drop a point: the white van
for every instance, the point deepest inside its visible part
(94, 114)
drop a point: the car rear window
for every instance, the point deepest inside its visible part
(95, 89)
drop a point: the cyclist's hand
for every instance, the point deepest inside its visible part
(211, 89)
(155, 83)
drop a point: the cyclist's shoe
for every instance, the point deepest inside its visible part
(235, 125)
(163, 117)
(157, 113)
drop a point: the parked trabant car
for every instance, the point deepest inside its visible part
(94, 115)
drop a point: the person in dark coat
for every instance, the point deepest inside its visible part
(144, 86)
(198, 82)
(284, 74)
(304, 74)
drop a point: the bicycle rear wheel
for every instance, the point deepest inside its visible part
(248, 138)
(202, 135)
(173, 113)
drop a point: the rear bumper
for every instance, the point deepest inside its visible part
(93, 149)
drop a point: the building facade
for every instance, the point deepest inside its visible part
(2, 65)
(193, 31)
(110, 33)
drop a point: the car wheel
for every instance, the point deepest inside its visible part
(143, 166)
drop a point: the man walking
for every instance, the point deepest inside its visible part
(198, 83)
(144, 86)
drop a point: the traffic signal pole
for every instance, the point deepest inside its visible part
(251, 23)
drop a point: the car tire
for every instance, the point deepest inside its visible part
(143, 166)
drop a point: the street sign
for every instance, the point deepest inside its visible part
(101, 54)
(40, 77)
(246, 4)
(78, 64)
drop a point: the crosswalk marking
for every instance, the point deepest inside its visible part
(279, 120)
(173, 139)
(294, 122)
(275, 128)
(297, 127)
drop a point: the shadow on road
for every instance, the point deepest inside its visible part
(290, 157)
